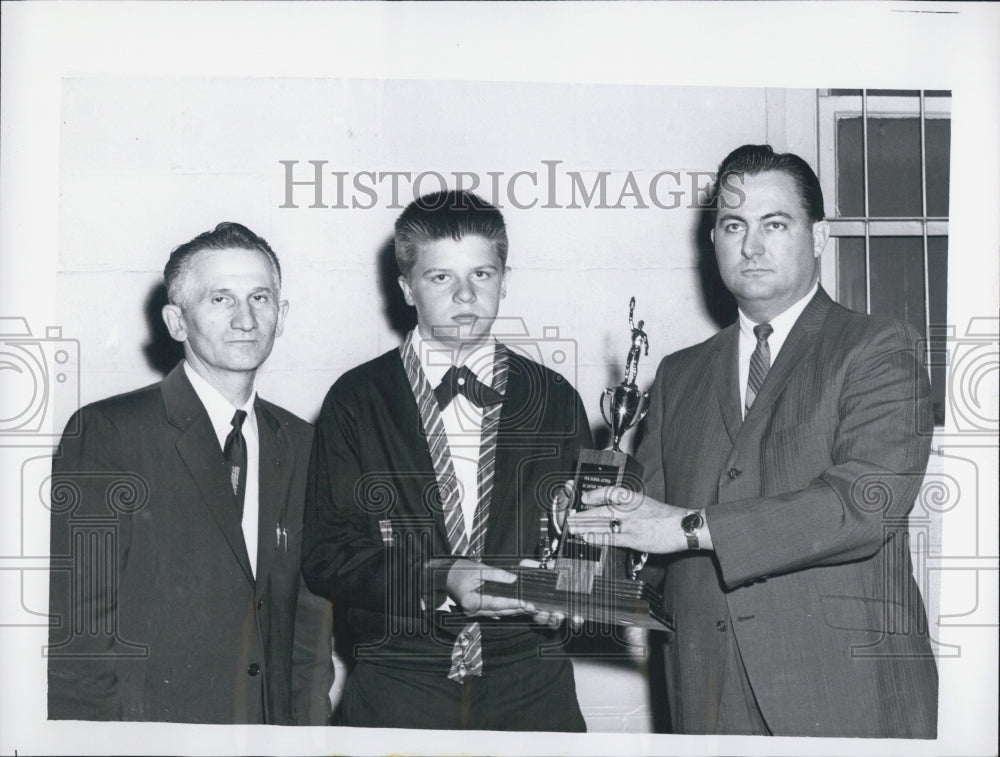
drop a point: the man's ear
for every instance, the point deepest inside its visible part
(503, 282)
(821, 233)
(711, 234)
(173, 316)
(407, 293)
(279, 327)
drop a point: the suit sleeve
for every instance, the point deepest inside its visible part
(878, 461)
(312, 659)
(82, 680)
(649, 451)
(583, 438)
(343, 554)
(649, 454)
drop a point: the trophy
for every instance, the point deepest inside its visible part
(597, 582)
(626, 406)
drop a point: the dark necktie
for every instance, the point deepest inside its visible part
(236, 459)
(760, 363)
(463, 381)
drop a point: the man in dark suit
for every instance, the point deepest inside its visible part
(177, 523)
(432, 465)
(787, 446)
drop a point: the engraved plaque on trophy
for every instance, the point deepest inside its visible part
(597, 582)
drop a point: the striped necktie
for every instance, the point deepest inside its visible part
(760, 363)
(466, 654)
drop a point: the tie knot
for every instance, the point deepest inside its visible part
(238, 417)
(762, 331)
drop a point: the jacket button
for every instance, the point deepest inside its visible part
(733, 473)
(260, 603)
(721, 625)
(253, 669)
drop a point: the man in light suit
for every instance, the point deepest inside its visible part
(433, 466)
(787, 447)
(177, 523)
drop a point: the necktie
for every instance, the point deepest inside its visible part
(235, 452)
(760, 363)
(466, 653)
(463, 381)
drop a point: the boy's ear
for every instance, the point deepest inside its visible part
(407, 292)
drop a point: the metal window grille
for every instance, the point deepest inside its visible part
(868, 226)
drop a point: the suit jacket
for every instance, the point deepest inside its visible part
(373, 522)
(806, 503)
(156, 613)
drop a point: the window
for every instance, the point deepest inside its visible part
(884, 165)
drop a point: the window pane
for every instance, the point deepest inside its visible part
(897, 279)
(851, 273)
(937, 143)
(937, 275)
(893, 167)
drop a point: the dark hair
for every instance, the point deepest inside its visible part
(226, 235)
(751, 160)
(447, 215)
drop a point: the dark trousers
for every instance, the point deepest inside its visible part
(530, 695)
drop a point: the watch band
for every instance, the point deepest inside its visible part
(691, 523)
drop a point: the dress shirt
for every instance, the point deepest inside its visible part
(462, 419)
(220, 413)
(782, 325)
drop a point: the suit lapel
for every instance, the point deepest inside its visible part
(406, 414)
(725, 379)
(795, 350)
(505, 467)
(274, 474)
(199, 448)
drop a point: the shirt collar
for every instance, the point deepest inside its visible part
(783, 322)
(220, 410)
(435, 358)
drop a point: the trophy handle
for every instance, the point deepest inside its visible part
(644, 401)
(600, 402)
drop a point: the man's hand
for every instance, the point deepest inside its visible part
(465, 579)
(555, 619)
(645, 525)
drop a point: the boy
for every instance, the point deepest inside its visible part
(430, 462)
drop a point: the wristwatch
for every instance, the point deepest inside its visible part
(691, 523)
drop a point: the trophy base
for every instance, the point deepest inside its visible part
(595, 469)
(613, 601)
(605, 467)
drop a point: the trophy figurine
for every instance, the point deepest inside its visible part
(597, 582)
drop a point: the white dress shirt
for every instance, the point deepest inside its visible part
(220, 413)
(462, 419)
(782, 325)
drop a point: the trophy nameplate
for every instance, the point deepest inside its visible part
(598, 583)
